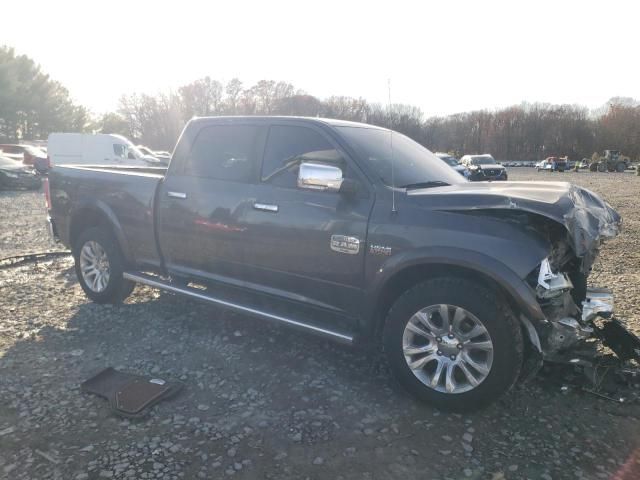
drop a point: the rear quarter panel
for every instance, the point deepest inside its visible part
(123, 196)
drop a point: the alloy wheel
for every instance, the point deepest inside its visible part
(447, 348)
(94, 265)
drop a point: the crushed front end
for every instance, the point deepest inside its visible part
(579, 318)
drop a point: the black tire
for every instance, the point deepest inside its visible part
(593, 167)
(489, 308)
(602, 167)
(117, 288)
(620, 167)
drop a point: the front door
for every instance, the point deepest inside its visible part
(308, 246)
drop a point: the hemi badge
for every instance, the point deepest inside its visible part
(345, 244)
(380, 250)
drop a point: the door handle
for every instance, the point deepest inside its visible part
(180, 195)
(265, 207)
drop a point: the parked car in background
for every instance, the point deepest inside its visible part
(543, 165)
(163, 155)
(453, 163)
(33, 154)
(483, 167)
(96, 149)
(42, 165)
(145, 150)
(24, 153)
(159, 156)
(14, 174)
(553, 164)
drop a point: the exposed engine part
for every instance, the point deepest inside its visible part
(551, 285)
(565, 334)
(560, 306)
(599, 302)
(545, 274)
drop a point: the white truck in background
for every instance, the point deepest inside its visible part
(95, 149)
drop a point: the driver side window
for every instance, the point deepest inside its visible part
(287, 147)
(120, 150)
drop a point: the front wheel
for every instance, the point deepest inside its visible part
(453, 343)
(99, 266)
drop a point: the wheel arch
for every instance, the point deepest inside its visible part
(96, 214)
(499, 278)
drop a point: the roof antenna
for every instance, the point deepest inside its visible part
(393, 162)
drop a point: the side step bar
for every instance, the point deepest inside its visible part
(156, 282)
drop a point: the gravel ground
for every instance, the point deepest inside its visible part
(265, 402)
(23, 224)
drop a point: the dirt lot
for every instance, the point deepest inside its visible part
(265, 402)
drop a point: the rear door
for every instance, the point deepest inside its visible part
(294, 251)
(203, 205)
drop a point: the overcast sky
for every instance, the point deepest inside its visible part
(444, 56)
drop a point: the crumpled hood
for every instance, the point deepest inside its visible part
(588, 219)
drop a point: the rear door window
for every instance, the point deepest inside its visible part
(224, 152)
(287, 147)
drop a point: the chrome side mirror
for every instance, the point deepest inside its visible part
(318, 176)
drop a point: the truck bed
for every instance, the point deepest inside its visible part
(124, 195)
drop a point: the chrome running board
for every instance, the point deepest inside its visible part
(156, 282)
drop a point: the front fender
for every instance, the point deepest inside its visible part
(522, 295)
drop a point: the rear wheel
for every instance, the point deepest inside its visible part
(453, 343)
(99, 266)
(620, 167)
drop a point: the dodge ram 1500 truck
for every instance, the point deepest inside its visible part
(353, 232)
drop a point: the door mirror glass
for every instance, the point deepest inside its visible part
(317, 176)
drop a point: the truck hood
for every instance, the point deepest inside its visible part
(588, 219)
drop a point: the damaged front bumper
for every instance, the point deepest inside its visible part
(599, 301)
(574, 335)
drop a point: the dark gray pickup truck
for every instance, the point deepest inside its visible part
(353, 232)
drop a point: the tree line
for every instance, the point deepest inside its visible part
(32, 105)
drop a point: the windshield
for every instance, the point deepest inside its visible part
(483, 160)
(413, 164)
